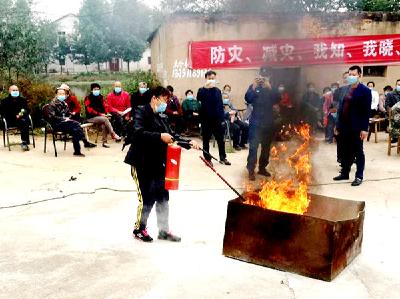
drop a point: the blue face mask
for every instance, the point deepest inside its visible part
(15, 94)
(161, 108)
(226, 101)
(352, 80)
(96, 92)
(398, 88)
(117, 89)
(61, 98)
(142, 90)
(190, 97)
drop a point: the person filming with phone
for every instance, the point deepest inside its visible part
(262, 97)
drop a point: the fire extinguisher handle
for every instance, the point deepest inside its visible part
(185, 145)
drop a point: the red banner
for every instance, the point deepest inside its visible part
(367, 49)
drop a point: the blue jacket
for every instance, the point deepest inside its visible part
(359, 111)
(263, 100)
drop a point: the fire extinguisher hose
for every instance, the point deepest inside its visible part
(223, 179)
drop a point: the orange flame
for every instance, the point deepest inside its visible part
(289, 193)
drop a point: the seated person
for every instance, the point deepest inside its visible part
(174, 111)
(190, 110)
(238, 128)
(73, 103)
(14, 109)
(395, 122)
(118, 104)
(286, 108)
(58, 115)
(141, 97)
(96, 113)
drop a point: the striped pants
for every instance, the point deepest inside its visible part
(150, 190)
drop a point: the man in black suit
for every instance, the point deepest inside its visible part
(352, 125)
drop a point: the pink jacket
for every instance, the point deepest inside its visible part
(118, 102)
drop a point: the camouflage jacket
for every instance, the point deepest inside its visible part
(56, 112)
(395, 121)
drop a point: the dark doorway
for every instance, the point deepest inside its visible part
(291, 78)
(114, 65)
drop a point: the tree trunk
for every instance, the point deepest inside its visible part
(9, 74)
(98, 67)
(128, 66)
(61, 69)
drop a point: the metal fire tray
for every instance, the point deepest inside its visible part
(318, 244)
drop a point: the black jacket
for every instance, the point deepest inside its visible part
(10, 107)
(147, 151)
(138, 99)
(212, 108)
(359, 111)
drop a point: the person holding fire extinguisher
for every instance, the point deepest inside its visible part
(151, 135)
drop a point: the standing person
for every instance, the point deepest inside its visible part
(14, 109)
(118, 102)
(140, 97)
(375, 98)
(338, 97)
(96, 113)
(58, 115)
(312, 107)
(329, 110)
(174, 111)
(263, 98)
(212, 116)
(147, 157)
(352, 125)
(73, 104)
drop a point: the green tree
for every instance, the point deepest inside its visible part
(372, 5)
(93, 28)
(129, 30)
(25, 45)
(200, 6)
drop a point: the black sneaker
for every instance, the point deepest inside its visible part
(105, 145)
(168, 236)
(225, 162)
(142, 235)
(89, 144)
(341, 177)
(356, 182)
(237, 148)
(264, 172)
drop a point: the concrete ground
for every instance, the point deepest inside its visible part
(80, 246)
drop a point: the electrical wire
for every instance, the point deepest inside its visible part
(184, 190)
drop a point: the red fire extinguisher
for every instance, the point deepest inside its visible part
(172, 167)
